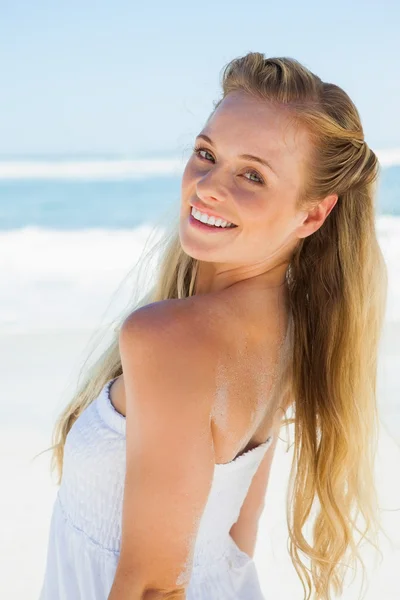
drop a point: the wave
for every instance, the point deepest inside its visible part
(90, 169)
(388, 157)
(115, 169)
(61, 280)
(58, 280)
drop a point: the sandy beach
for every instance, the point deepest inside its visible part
(38, 372)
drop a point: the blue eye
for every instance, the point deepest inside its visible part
(256, 174)
(198, 149)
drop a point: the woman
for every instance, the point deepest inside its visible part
(270, 295)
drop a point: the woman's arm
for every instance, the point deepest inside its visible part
(169, 453)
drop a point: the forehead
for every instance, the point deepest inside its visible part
(243, 124)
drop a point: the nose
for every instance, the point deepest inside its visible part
(211, 187)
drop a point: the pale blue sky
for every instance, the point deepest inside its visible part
(139, 78)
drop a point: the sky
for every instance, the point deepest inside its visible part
(139, 78)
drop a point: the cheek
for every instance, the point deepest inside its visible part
(255, 209)
(265, 216)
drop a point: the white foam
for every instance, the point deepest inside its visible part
(57, 280)
(65, 279)
(90, 169)
(388, 157)
(128, 168)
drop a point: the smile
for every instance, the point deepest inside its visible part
(211, 221)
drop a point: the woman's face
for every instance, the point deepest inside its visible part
(260, 199)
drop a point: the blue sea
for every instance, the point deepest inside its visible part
(75, 195)
(71, 228)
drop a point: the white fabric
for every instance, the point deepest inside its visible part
(85, 530)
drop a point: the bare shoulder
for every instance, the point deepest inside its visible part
(173, 342)
(207, 327)
(177, 325)
(195, 341)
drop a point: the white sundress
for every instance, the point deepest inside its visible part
(85, 529)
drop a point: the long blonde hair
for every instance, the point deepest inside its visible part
(337, 282)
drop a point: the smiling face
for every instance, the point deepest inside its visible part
(258, 197)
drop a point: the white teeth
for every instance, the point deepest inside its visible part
(216, 221)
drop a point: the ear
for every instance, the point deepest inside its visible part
(316, 216)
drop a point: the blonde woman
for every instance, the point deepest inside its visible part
(270, 295)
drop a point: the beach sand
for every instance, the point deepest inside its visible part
(38, 374)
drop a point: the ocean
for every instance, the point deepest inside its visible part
(71, 229)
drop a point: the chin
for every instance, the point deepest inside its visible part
(197, 251)
(193, 249)
(206, 249)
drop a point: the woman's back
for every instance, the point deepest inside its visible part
(85, 536)
(247, 353)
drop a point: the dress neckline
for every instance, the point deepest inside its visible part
(117, 421)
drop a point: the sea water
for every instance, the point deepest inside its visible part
(71, 229)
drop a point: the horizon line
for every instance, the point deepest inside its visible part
(120, 166)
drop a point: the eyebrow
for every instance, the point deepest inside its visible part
(257, 159)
